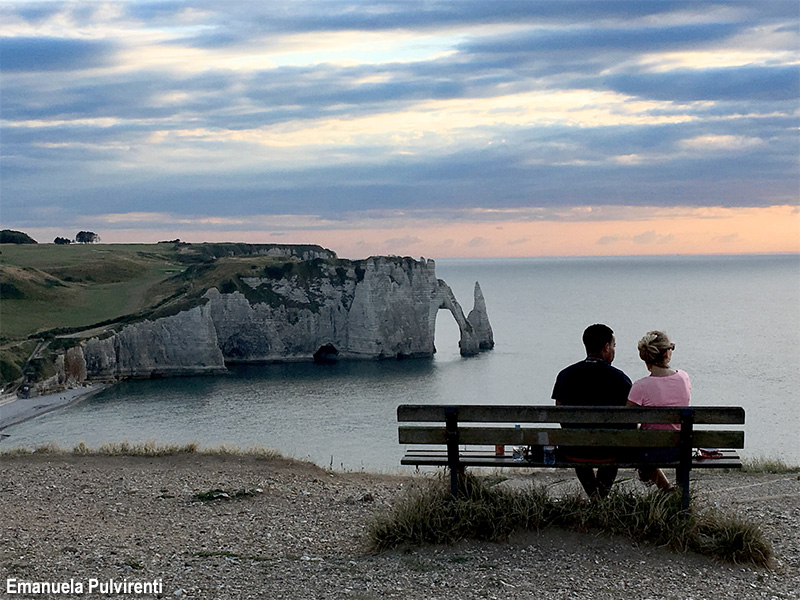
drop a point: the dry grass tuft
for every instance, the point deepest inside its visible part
(767, 465)
(148, 449)
(427, 514)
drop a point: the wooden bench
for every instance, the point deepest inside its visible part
(461, 431)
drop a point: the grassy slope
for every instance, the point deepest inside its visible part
(79, 285)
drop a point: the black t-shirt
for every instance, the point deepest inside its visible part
(592, 382)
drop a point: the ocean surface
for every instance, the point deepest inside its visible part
(735, 321)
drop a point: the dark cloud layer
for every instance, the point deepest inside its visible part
(31, 54)
(767, 84)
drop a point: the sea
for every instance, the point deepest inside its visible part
(735, 321)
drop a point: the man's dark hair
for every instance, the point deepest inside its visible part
(596, 337)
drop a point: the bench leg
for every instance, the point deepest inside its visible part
(682, 478)
(456, 476)
(456, 470)
(685, 455)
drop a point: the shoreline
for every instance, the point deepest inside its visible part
(19, 410)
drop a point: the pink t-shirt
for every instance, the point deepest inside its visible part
(673, 390)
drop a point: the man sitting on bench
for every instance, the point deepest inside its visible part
(593, 382)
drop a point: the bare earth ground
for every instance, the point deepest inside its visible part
(129, 518)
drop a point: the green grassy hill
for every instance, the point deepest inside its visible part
(45, 286)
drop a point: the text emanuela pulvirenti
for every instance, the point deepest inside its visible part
(89, 586)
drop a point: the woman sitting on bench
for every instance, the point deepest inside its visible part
(663, 387)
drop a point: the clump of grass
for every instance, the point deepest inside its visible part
(767, 465)
(427, 514)
(148, 448)
(251, 451)
(16, 451)
(730, 538)
(49, 448)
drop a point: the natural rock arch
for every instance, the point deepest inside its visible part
(476, 332)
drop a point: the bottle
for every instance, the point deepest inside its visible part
(499, 450)
(516, 451)
(549, 455)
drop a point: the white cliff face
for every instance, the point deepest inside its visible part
(390, 313)
(376, 308)
(381, 307)
(183, 344)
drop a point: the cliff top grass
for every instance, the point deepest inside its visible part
(47, 287)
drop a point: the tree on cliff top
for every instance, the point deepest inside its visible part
(87, 237)
(9, 236)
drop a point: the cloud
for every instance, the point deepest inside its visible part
(30, 54)
(396, 220)
(608, 240)
(587, 39)
(518, 241)
(717, 143)
(770, 84)
(651, 237)
(477, 242)
(404, 242)
(731, 238)
(645, 238)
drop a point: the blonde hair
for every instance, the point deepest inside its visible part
(653, 348)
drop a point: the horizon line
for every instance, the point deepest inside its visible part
(442, 257)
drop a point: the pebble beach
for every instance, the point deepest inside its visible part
(14, 409)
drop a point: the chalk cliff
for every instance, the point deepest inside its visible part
(182, 344)
(323, 309)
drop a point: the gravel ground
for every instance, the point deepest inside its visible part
(303, 537)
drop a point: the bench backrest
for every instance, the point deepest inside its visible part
(498, 425)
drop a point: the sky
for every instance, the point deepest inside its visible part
(420, 128)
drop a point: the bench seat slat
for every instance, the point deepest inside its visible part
(541, 436)
(705, 415)
(729, 460)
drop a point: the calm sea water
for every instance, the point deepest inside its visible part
(735, 321)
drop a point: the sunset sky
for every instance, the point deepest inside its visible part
(437, 129)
